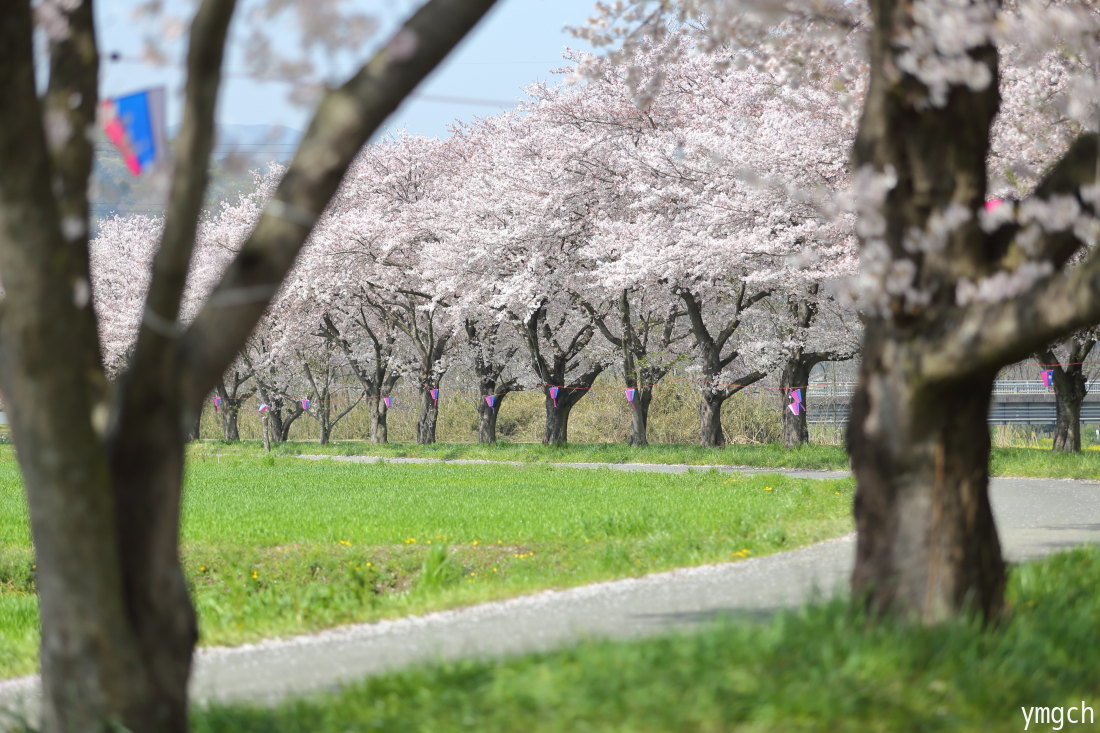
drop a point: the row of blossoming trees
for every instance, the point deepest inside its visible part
(950, 291)
(542, 248)
(578, 236)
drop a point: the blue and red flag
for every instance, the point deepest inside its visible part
(135, 124)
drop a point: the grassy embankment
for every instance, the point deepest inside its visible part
(819, 669)
(277, 546)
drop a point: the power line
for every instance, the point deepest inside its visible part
(422, 96)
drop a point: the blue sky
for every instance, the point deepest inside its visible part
(520, 42)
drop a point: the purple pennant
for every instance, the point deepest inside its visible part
(630, 396)
(388, 401)
(435, 396)
(217, 403)
(491, 400)
(796, 407)
(305, 405)
(1047, 376)
(264, 407)
(554, 395)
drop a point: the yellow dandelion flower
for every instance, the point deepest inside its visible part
(767, 488)
(475, 543)
(255, 575)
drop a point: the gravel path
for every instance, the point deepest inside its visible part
(639, 467)
(1034, 517)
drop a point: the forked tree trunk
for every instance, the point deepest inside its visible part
(927, 544)
(795, 375)
(639, 416)
(711, 434)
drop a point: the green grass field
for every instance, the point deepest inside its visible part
(819, 669)
(275, 545)
(1022, 462)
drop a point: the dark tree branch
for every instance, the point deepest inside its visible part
(989, 335)
(1076, 168)
(346, 118)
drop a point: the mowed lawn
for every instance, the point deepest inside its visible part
(279, 545)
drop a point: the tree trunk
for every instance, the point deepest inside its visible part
(231, 411)
(639, 416)
(326, 431)
(196, 428)
(710, 419)
(487, 420)
(265, 425)
(426, 420)
(379, 431)
(795, 375)
(927, 544)
(1069, 394)
(557, 421)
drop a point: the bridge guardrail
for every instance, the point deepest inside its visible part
(1000, 387)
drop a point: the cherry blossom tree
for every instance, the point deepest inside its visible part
(951, 292)
(491, 348)
(1069, 365)
(102, 463)
(377, 230)
(529, 208)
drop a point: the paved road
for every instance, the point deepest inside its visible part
(1034, 516)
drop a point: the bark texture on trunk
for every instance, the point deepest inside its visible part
(428, 415)
(1070, 389)
(487, 421)
(556, 431)
(927, 544)
(918, 438)
(711, 434)
(639, 416)
(232, 397)
(379, 428)
(559, 367)
(795, 375)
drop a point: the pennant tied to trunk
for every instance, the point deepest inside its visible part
(264, 407)
(435, 396)
(630, 396)
(217, 403)
(1047, 375)
(306, 404)
(491, 400)
(796, 407)
(554, 395)
(388, 401)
